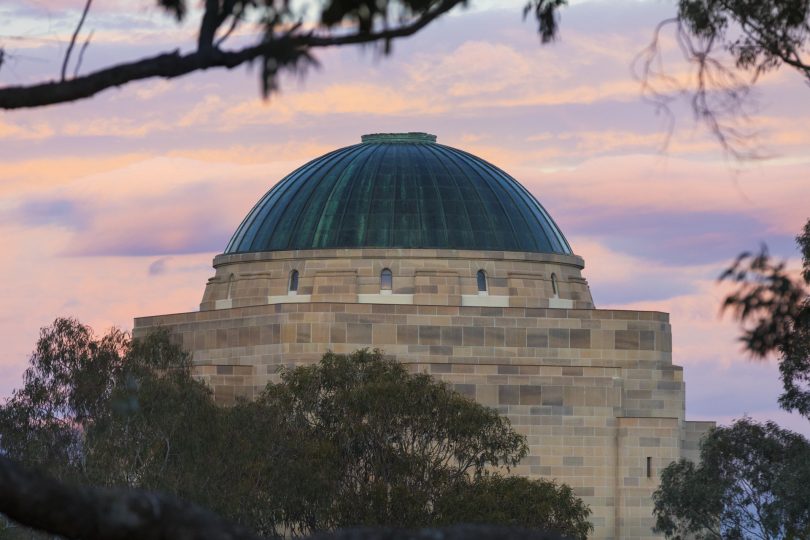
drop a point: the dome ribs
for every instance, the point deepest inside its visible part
(555, 241)
(398, 191)
(353, 227)
(333, 208)
(459, 226)
(284, 233)
(434, 221)
(266, 224)
(243, 238)
(499, 219)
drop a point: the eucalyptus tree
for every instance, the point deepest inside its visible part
(752, 482)
(774, 307)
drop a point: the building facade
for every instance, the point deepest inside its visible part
(448, 264)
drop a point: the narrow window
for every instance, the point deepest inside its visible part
(230, 287)
(386, 280)
(482, 282)
(293, 289)
(554, 288)
(649, 467)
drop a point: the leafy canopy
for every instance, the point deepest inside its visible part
(760, 34)
(516, 500)
(775, 307)
(396, 441)
(753, 482)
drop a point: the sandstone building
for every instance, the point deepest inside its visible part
(449, 264)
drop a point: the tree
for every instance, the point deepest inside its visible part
(776, 309)
(393, 442)
(115, 412)
(69, 381)
(757, 36)
(753, 481)
(511, 500)
(352, 440)
(283, 41)
(760, 36)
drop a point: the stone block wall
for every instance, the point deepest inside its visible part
(691, 434)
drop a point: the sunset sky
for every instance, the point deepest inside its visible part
(114, 207)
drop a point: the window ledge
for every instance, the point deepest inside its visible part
(385, 298)
(289, 299)
(484, 300)
(560, 303)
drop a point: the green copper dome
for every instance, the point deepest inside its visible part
(398, 190)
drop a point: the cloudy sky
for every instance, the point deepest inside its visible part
(114, 207)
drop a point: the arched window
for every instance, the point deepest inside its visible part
(554, 288)
(230, 287)
(386, 280)
(481, 277)
(293, 288)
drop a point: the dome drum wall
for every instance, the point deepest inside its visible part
(424, 277)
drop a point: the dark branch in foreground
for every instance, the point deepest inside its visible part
(92, 513)
(283, 50)
(455, 532)
(74, 37)
(717, 94)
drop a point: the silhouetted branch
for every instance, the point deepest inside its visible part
(91, 513)
(716, 93)
(236, 19)
(546, 12)
(81, 55)
(73, 38)
(768, 299)
(280, 51)
(455, 532)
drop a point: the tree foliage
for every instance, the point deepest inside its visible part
(753, 482)
(283, 40)
(727, 45)
(775, 307)
(353, 440)
(760, 35)
(392, 443)
(516, 500)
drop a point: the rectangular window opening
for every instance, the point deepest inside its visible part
(649, 467)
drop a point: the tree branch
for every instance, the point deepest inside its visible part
(81, 55)
(91, 513)
(175, 64)
(73, 38)
(208, 27)
(236, 18)
(717, 94)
